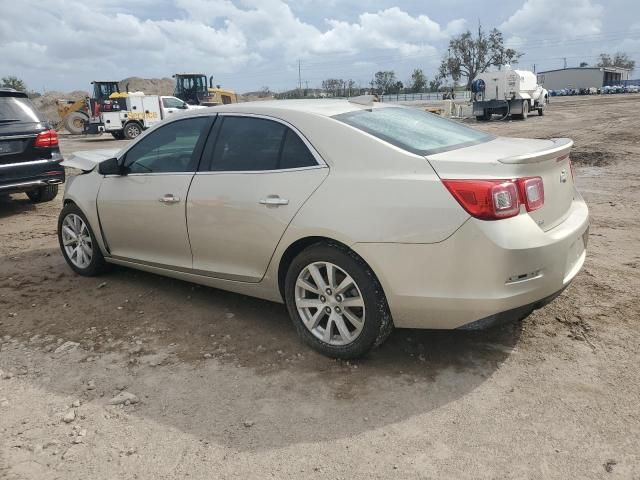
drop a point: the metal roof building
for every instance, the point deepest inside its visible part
(582, 77)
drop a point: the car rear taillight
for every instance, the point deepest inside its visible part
(46, 139)
(531, 193)
(497, 199)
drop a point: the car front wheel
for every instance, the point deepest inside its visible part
(336, 303)
(78, 242)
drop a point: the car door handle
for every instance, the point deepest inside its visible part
(274, 200)
(169, 198)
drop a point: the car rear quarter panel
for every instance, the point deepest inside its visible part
(375, 192)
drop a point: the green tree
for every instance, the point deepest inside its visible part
(333, 87)
(13, 82)
(583, 64)
(435, 84)
(384, 81)
(418, 81)
(468, 55)
(619, 59)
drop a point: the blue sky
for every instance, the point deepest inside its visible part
(248, 44)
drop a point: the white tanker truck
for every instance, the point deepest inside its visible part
(507, 92)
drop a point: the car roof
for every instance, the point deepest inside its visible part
(322, 107)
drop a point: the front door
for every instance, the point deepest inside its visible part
(142, 213)
(172, 105)
(256, 177)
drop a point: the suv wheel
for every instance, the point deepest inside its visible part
(78, 243)
(336, 303)
(43, 194)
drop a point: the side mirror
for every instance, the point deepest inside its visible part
(110, 167)
(184, 106)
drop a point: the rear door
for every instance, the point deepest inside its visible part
(256, 176)
(142, 213)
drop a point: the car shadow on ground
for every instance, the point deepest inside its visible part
(207, 361)
(15, 204)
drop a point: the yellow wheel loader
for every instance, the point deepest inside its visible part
(76, 115)
(193, 89)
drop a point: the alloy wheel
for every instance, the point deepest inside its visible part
(76, 240)
(330, 303)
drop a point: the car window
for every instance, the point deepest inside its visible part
(18, 109)
(295, 153)
(170, 148)
(256, 144)
(247, 144)
(413, 130)
(171, 102)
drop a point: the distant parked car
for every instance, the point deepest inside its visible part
(358, 215)
(29, 152)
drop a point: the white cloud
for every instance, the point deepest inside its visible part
(113, 39)
(548, 18)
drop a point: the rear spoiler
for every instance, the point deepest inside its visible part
(561, 146)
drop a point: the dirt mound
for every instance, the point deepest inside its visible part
(150, 86)
(592, 158)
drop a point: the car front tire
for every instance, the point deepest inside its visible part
(335, 302)
(78, 242)
(43, 194)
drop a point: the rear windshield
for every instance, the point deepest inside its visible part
(413, 130)
(18, 109)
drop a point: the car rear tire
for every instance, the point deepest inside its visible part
(132, 130)
(78, 242)
(525, 111)
(485, 117)
(336, 302)
(540, 112)
(43, 194)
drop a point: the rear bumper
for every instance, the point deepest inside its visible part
(25, 176)
(483, 270)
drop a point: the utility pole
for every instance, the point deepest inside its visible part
(299, 77)
(534, 68)
(565, 62)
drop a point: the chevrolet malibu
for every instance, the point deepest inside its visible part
(359, 216)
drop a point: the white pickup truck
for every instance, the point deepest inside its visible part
(141, 112)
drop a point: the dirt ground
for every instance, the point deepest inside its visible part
(216, 385)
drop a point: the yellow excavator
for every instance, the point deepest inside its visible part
(75, 115)
(193, 89)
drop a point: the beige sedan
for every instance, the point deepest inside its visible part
(359, 216)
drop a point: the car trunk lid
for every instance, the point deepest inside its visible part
(512, 158)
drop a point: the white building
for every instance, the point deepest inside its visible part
(582, 77)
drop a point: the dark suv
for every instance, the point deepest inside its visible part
(29, 152)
